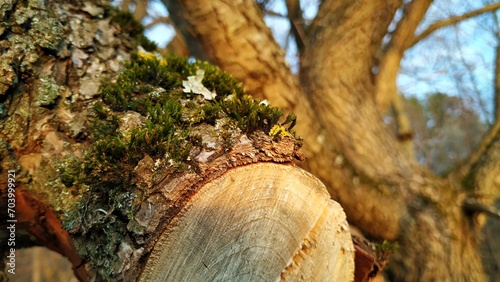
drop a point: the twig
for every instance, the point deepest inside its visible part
(453, 20)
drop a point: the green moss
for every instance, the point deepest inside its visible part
(152, 89)
(385, 249)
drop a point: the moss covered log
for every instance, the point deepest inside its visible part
(146, 114)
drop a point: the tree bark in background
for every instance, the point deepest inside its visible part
(384, 191)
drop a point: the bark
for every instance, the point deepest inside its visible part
(227, 214)
(400, 200)
(404, 133)
(297, 24)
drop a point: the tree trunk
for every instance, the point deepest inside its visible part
(235, 208)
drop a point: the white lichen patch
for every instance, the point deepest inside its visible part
(193, 84)
(264, 103)
(157, 92)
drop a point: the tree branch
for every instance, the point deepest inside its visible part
(385, 81)
(181, 17)
(472, 205)
(344, 103)
(479, 174)
(453, 20)
(296, 23)
(496, 118)
(125, 5)
(157, 20)
(342, 99)
(140, 10)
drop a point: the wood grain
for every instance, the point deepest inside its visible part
(261, 222)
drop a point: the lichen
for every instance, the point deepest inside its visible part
(8, 77)
(48, 33)
(27, 30)
(279, 130)
(163, 119)
(48, 91)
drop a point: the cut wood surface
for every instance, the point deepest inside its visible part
(260, 222)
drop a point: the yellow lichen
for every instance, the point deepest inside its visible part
(152, 56)
(278, 130)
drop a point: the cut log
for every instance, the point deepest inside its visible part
(260, 222)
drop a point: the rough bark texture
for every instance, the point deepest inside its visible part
(53, 56)
(384, 192)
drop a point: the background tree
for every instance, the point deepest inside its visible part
(350, 55)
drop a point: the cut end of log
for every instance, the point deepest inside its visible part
(260, 222)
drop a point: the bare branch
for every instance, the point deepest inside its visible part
(140, 11)
(453, 20)
(386, 89)
(158, 20)
(296, 23)
(125, 5)
(497, 72)
(464, 169)
(274, 14)
(470, 72)
(473, 205)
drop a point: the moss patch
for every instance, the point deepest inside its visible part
(147, 112)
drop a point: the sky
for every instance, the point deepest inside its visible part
(456, 60)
